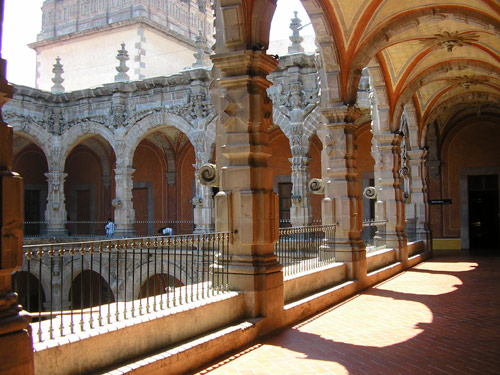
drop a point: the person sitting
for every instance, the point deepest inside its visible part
(166, 231)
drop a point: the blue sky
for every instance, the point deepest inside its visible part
(22, 22)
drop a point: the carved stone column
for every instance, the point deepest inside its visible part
(16, 344)
(55, 213)
(124, 210)
(417, 160)
(341, 204)
(301, 209)
(246, 204)
(203, 201)
(390, 205)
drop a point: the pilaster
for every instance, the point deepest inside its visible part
(390, 205)
(246, 204)
(124, 214)
(417, 160)
(341, 203)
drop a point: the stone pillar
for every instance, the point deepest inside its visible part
(418, 184)
(301, 209)
(246, 204)
(203, 209)
(124, 217)
(203, 200)
(16, 344)
(390, 205)
(55, 213)
(341, 204)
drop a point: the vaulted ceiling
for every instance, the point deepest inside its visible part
(444, 56)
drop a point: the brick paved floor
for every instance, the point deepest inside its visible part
(440, 317)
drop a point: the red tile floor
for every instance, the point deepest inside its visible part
(440, 317)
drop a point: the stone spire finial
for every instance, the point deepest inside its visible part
(296, 39)
(198, 55)
(58, 79)
(122, 69)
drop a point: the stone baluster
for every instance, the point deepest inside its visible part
(341, 204)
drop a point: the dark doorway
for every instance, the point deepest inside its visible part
(483, 212)
(32, 213)
(83, 206)
(285, 202)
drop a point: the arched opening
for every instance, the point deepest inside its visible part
(88, 187)
(164, 182)
(29, 289)
(89, 289)
(158, 284)
(30, 162)
(470, 179)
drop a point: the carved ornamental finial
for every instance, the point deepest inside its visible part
(58, 79)
(296, 39)
(198, 55)
(122, 69)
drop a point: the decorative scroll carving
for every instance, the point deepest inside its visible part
(370, 192)
(207, 175)
(316, 186)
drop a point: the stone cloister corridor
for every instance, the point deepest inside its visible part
(277, 164)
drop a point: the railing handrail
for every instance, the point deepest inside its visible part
(125, 239)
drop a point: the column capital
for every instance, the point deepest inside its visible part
(244, 63)
(341, 115)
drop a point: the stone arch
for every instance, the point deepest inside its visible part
(433, 73)
(149, 124)
(382, 36)
(41, 272)
(78, 133)
(380, 106)
(100, 293)
(36, 134)
(146, 275)
(329, 70)
(85, 266)
(463, 100)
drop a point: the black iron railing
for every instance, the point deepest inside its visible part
(73, 287)
(301, 249)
